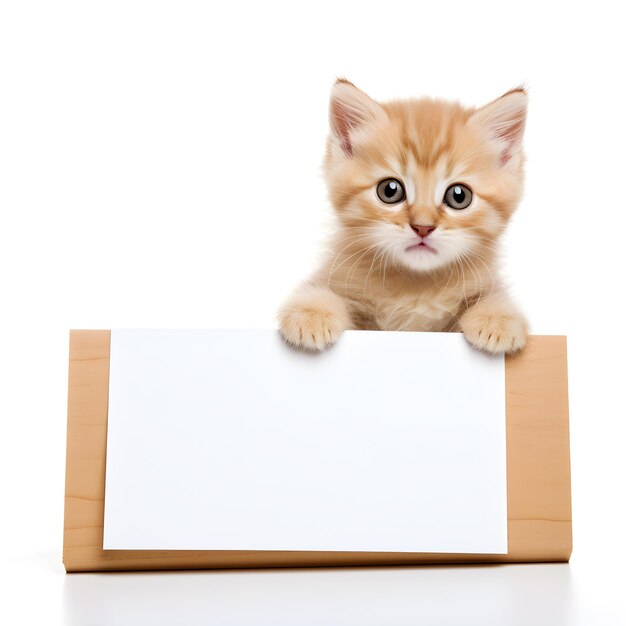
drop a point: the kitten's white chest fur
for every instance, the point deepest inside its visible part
(425, 312)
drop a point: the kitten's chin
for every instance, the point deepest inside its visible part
(423, 258)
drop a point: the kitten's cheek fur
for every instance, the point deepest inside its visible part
(314, 318)
(494, 326)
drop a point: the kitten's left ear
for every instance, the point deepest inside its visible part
(503, 121)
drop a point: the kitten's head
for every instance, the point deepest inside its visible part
(427, 181)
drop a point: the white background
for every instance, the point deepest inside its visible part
(160, 167)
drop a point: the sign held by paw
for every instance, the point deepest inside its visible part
(231, 449)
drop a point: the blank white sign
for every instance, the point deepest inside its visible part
(230, 440)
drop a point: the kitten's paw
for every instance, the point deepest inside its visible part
(314, 319)
(495, 332)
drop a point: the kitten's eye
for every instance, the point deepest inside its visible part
(390, 191)
(458, 196)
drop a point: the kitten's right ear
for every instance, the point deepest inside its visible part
(350, 109)
(503, 122)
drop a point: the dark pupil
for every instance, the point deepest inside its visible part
(459, 195)
(391, 189)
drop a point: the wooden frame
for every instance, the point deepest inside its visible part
(538, 473)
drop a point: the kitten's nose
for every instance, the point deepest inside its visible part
(423, 231)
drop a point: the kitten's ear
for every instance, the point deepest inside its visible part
(503, 121)
(350, 109)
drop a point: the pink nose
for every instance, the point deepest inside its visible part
(423, 231)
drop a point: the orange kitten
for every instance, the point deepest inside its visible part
(422, 189)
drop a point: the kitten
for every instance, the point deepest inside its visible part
(422, 190)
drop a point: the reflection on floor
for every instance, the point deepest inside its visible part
(481, 595)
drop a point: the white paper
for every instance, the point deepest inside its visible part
(230, 440)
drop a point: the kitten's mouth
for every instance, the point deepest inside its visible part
(423, 246)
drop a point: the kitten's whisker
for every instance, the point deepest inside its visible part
(454, 262)
(480, 294)
(385, 267)
(464, 257)
(378, 253)
(333, 268)
(355, 264)
(478, 257)
(395, 260)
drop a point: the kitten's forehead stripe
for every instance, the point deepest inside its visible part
(426, 128)
(496, 203)
(412, 177)
(403, 155)
(345, 197)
